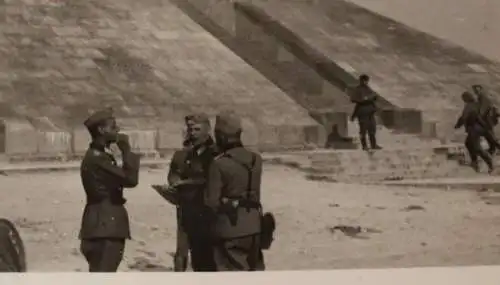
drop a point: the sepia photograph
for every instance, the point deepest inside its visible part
(249, 135)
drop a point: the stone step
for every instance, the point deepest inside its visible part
(383, 165)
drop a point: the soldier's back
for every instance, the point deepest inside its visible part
(235, 165)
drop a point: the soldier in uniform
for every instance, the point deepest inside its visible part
(489, 115)
(187, 175)
(233, 196)
(105, 221)
(364, 111)
(181, 256)
(474, 126)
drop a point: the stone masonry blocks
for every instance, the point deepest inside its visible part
(142, 141)
(80, 140)
(52, 140)
(19, 137)
(169, 135)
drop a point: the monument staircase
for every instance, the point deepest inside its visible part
(285, 66)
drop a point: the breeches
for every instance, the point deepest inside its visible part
(103, 254)
(239, 254)
(367, 125)
(182, 247)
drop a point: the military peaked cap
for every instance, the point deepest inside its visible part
(197, 118)
(98, 117)
(228, 123)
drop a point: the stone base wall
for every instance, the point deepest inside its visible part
(22, 139)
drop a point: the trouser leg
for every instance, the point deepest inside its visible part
(103, 255)
(181, 256)
(202, 257)
(362, 133)
(237, 254)
(493, 143)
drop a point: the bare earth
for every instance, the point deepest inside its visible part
(451, 228)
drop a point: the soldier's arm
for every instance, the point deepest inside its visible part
(127, 175)
(371, 98)
(174, 170)
(461, 120)
(258, 176)
(213, 191)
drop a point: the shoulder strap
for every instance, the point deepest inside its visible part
(249, 169)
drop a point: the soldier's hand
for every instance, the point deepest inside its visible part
(160, 187)
(122, 141)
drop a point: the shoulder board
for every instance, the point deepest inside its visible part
(96, 152)
(219, 156)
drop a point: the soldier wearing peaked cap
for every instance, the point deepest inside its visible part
(105, 222)
(233, 196)
(187, 177)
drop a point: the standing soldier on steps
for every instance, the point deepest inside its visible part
(233, 195)
(474, 126)
(187, 177)
(489, 115)
(105, 222)
(364, 111)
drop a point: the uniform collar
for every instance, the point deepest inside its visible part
(231, 146)
(98, 146)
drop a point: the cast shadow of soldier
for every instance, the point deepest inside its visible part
(336, 140)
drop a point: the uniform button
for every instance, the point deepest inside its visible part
(112, 218)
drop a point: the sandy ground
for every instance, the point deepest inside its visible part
(474, 24)
(451, 228)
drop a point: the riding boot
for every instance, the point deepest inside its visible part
(362, 139)
(373, 142)
(180, 263)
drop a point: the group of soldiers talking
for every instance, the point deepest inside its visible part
(214, 184)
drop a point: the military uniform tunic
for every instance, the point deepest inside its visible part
(105, 221)
(236, 229)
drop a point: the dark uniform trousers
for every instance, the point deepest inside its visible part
(196, 226)
(473, 145)
(237, 229)
(489, 136)
(367, 126)
(181, 257)
(103, 254)
(105, 222)
(475, 129)
(239, 254)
